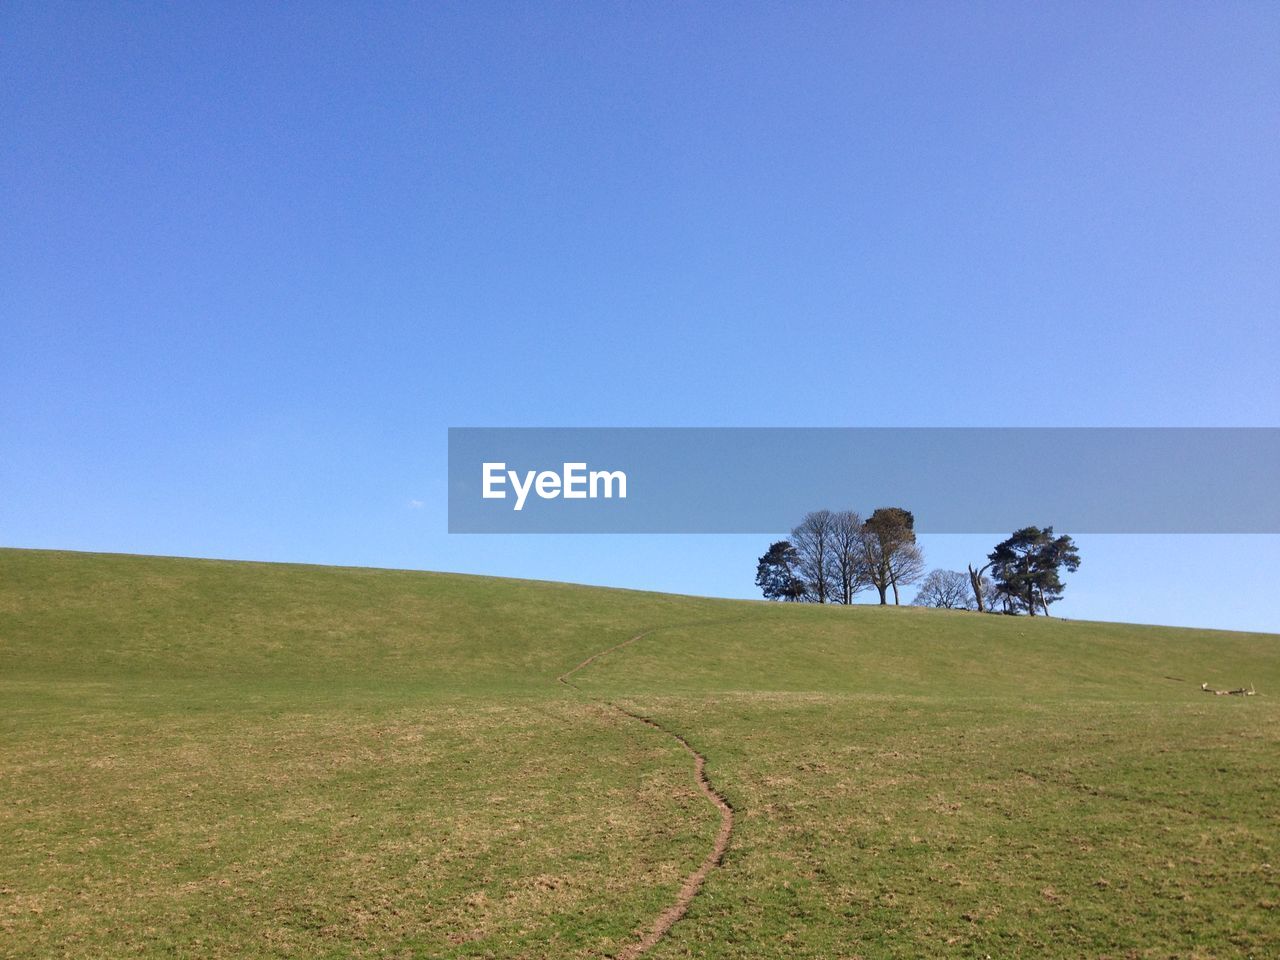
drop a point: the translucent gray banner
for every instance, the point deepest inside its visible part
(762, 480)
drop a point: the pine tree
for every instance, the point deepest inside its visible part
(775, 574)
(1028, 566)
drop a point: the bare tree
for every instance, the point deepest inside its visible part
(990, 594)
(998, 599)
(906, 566)
(849, 576)
(980, 586)
(947, 589)
(814, 541)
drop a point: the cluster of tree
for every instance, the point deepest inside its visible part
(1026, 576)
(834, 555)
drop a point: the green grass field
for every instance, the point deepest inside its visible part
(209, 759)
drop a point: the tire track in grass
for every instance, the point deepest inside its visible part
(693, 883)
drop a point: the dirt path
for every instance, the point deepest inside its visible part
(693, 883)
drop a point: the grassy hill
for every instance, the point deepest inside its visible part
(213, 759)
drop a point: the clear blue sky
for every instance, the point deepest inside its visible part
(254, 260)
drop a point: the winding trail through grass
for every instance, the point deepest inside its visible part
(693, 883)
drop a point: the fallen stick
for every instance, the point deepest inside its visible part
(1238, 692)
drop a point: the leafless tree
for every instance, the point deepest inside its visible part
(999, 600)
(947, 589)
(814, 540)
(906, 566)
(990, 593)
(982, 586)
(849, 577)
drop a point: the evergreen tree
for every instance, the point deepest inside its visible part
(1027, 567)
(775, 573)
(890, 557)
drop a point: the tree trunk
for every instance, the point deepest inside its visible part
(883, 589)
(895, 591)
(975, 580)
